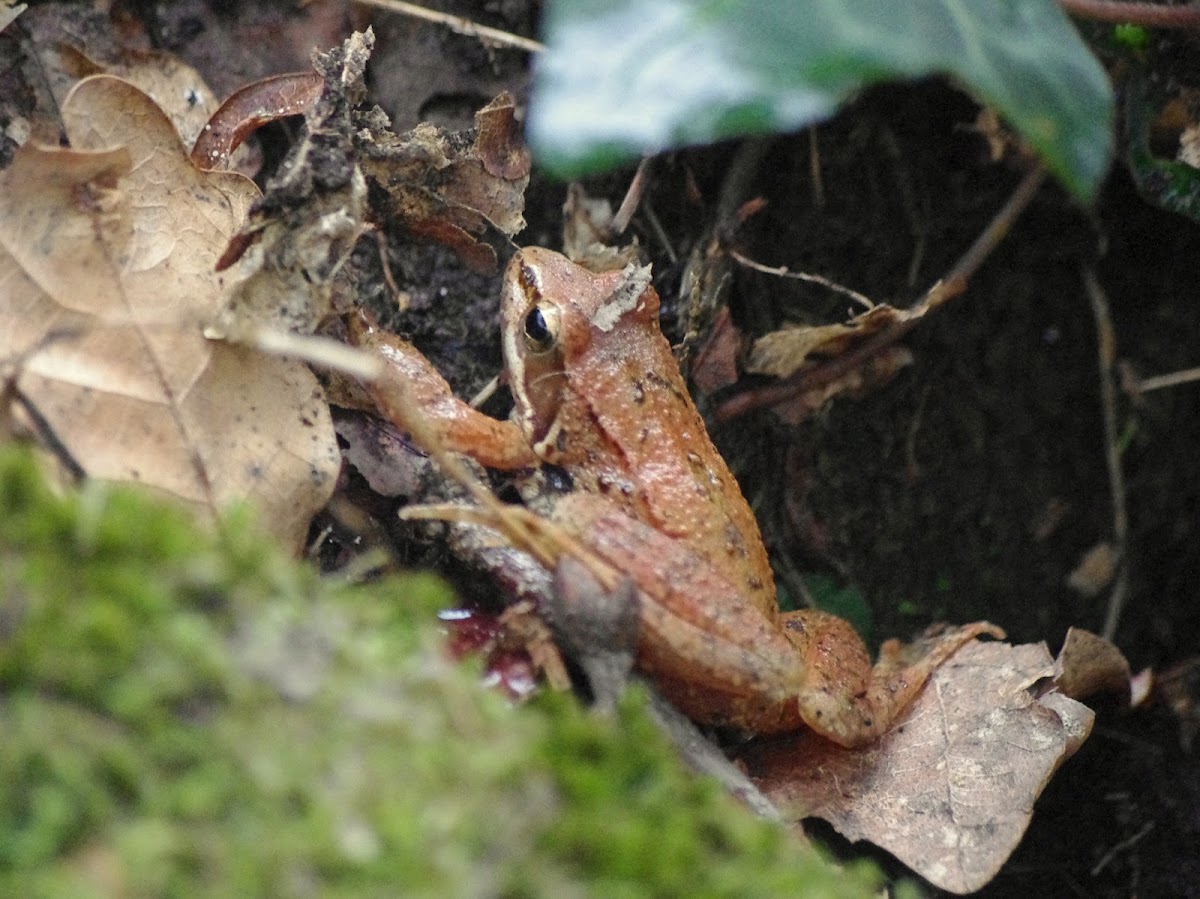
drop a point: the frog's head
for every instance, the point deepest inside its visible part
(554, 315)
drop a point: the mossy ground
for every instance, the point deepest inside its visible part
(185, 714)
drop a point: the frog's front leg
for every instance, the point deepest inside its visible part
(410, 386)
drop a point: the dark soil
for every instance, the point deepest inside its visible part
(970, 485)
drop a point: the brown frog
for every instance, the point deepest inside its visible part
(598, 393)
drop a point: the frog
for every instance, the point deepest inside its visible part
(598, 396)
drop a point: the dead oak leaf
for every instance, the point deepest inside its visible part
(951, 789)
(781, 353)
(460, 190)
(1088, 665)
(107, 253)
(176, 88)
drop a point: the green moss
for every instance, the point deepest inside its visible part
(185, 715)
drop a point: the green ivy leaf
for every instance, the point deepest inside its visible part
(1167, 183)
(623, 77)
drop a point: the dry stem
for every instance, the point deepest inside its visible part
(954, 283)
(460, 25)
(1106, 348)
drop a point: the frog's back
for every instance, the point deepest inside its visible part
(658, 451)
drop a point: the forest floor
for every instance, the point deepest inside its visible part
(972, 484)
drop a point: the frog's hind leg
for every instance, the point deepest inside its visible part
(844, 698)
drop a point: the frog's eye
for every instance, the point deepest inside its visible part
(541, 328)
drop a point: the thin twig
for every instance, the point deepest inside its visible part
(1127, 843)
(656, 227)
(486, 392)
(459, 24)
(325, 352)
(401, 299)
(633, 198)
(908, 202)
(784, 272)
(956, 281)
(1174, 379)
(739, 176)
(814, 169)
(1151, 15)
(1107, 351)
(953, 284)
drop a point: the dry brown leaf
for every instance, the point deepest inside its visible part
(780, 353)
(587, 233)
(1179, 689)
(9, 10)
(248, 108)
(1095, 569)
(107, 252)
(867, 377)
(586, 223)
(300, 233)
(390, 466)
(950, 790)
(175, 87)
(715, 365)
(444, 189)
(64, 43)
(1088, 664)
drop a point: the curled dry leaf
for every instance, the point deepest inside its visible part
(950, 790)
(1179, 689)
(444, 189)
(866, 377)
(587, 233)
(716, 360)
(782, 352)
(107, 252)
(176, 88)
(390, 465)
(301, 231)
(785, 352)
(1088, 665)
(63, 43)
(250, 107)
